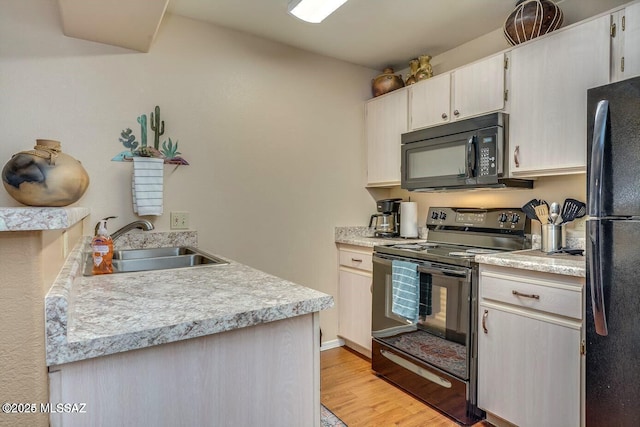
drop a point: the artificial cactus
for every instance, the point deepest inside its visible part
(170, 150)
(143, 130)
(128, 139)
(157, 126)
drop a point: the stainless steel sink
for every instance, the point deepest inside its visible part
(130, 260)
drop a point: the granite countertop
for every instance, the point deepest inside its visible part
(34, 219)
(363, 236)
(535, 260)
(95, 316)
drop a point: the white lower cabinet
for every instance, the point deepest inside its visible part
(529, 347)
(354, 298)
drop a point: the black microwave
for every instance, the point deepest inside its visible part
(463, 154)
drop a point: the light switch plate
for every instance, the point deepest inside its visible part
(179, 220)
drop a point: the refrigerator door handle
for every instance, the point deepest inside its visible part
(597, 155)
(596, 276)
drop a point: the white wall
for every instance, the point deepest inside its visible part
(274, 135)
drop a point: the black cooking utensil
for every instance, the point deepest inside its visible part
(572, 209)
(567, 251)
(529, 209)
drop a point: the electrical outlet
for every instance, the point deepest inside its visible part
(179, 220)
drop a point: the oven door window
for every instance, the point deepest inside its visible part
(445, 307)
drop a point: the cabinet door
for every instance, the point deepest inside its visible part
(549, 82)
(528, 369)
(386, 120)
(430, 102)
(354, 308)
(479, 88)
(631, 30)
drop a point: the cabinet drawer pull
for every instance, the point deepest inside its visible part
(456, 113)
(516, 156)
(444, 116)
(356, 260)
(534, 296)
(484, 321)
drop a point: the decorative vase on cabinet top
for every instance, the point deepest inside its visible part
(413, 69)
(531, 19)
(45, 176)
(386, 82)
(425, 71)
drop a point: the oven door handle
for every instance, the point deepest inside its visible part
(442, 271)
(429, 270)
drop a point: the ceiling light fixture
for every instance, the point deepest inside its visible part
(313, 11)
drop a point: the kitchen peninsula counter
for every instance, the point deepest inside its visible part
(88, 317)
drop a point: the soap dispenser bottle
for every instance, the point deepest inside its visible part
(102, 248)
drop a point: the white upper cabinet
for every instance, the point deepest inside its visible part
(549, 81)
(385, 121)
(430, 102)
(479, 88)
(468, 91)
(625, 43)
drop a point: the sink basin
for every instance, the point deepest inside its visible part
(130, 260)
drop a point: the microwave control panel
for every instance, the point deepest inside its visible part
(487, 155)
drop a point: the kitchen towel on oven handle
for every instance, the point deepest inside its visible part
(405, 289)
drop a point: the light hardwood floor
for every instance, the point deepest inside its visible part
(359, 398)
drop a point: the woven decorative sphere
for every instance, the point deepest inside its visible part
(531, 19)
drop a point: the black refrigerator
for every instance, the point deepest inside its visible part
(612, 305)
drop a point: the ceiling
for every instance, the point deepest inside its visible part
(374, 33)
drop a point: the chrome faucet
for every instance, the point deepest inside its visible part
(142, 224)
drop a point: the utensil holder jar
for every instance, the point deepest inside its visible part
(553, 237)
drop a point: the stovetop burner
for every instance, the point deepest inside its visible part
(462, 254)
(416, 246)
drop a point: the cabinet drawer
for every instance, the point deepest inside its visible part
(355, 259)
(530, 292)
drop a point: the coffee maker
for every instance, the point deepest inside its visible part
(387, 220)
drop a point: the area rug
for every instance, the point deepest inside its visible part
(329, 419)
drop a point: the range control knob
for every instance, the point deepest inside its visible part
(434, 215)
(502, 217)
(515, 218)
(443, 215)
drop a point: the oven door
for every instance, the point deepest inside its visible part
(441, 334)
(447, 161)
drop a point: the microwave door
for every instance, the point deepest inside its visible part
(447, 161)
